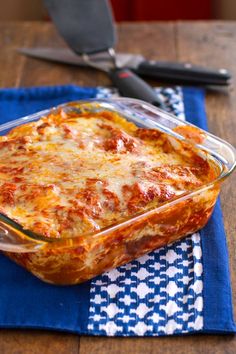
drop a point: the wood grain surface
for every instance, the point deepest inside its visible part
(206, 43)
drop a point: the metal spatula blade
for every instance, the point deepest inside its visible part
(86, 25)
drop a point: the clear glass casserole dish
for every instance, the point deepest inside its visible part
(71, 260)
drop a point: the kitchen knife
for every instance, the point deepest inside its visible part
(176, 73)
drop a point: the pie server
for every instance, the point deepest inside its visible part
(87, 27)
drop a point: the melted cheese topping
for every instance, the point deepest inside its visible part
(69, 173)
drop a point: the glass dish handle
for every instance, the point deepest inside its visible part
(156, 118)
(13, 240)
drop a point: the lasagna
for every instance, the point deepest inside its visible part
(71, 174)
(100, 191)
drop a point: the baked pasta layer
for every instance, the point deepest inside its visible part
(70, 174)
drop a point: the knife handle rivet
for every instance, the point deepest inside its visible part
(223, 71)
(188, 65)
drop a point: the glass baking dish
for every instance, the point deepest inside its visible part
(74, 260)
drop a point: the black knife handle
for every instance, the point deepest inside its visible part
(130, 85)
(183, 73)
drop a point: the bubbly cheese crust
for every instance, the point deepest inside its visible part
(69, 174)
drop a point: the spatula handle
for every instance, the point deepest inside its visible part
(130, 85)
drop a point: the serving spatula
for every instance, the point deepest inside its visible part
(87, 27)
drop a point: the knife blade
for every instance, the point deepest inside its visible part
(174, 72)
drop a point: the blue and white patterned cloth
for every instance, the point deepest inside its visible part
(178, 289)
(160, 293)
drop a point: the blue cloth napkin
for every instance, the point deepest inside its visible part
(182, 288)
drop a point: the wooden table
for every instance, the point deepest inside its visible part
(206, 43)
